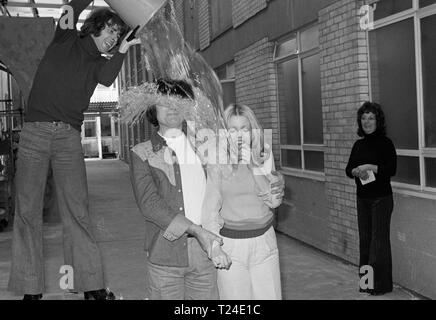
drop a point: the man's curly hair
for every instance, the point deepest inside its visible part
(171, 87)
(97, 21)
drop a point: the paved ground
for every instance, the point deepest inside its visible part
(306, 273)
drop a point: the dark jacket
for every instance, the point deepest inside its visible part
(158, 192)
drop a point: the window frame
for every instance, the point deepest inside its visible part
(222, 28)
(417, 13)
(302, 147)
(228, 78)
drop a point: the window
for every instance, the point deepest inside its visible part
(226, 74)
(424, 3)
(388, 63)
(105, 124)
(386, 8)
(126, 73)
(132, 65)
(299, 96)
(221, 17)
(403, 82)
(90, 131)
(139, 64)
(116, 128)
(125, 140)
(122, 78)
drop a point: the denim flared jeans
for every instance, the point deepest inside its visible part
(45, 144)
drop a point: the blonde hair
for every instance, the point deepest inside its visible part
(241, 110)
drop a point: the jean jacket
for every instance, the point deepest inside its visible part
(157, 186)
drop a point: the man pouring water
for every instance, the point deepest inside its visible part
(66, 78)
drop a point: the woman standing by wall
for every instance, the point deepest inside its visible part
(372, 163)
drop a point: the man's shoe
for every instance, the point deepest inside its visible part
(32, 296)
(102, 294)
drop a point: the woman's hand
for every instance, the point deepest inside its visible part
(366, 167)
(278, 187)
(355, 172)
(206, 239)
(359, 173)
(220, 259)
(279, 183)
(363, 175)
(257, 161)
(275, 192)
(362, 171)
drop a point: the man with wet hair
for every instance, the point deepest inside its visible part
(66, 78)
(169, 183)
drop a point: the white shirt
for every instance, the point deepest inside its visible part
(192, 176)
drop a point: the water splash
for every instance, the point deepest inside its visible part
(199, 110)
(167, 55)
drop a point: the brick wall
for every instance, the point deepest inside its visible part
(245, 9)
(255, 85)
(204, 23)
(344, 85)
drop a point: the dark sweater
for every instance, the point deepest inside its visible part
(377, 150)
(68, 75)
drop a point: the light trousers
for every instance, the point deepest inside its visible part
(255, 271)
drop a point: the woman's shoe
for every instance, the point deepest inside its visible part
(102, 294)
(364, 290)
(379, 293)
(32, 296)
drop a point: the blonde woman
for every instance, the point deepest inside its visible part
(238, 207)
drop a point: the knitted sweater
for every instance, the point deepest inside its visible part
(377, 150)
(68, 75)
(233, 203)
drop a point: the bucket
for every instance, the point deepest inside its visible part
(136, 12)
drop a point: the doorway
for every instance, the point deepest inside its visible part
(100, 136)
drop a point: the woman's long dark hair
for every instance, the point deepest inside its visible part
(376, 109)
